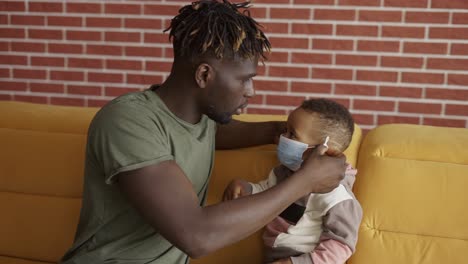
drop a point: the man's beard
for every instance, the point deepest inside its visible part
(221, 118)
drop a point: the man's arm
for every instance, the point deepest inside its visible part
(165, 197)
(238, 134)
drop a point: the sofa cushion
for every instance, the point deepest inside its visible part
(412, 183)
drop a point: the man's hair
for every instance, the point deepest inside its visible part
(213, 28)
(336, 122)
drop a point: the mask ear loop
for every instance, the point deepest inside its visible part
(326, 141)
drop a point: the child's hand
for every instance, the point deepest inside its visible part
(236, 189)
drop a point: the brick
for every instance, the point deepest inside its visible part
(3, 19)
(418, 77)
(45, 34)
(311, 58)
(257, 12)
(143, 51)
(405, 3)
(67, 101)
(65, 48)
(448, 33)
(97, 102)
(424, 48)
(27, 47)
(84, 8)
(421, 108)
(402, 62)
(266, 85)
(363, 119)
(359, 60)
(272, 1)
(104, 50)
(373, 105)
(398, 91)
(403, 32)
(167, 10)
(290, 13)
(359, 2)
(117, 91)
(452, 109)
(427, 17)
(12, 6)
(257, 99)
(105, 77)
(375, 45)
(30, 99)
(459, 49)
(13, 86)
(332, 44)
(103, 22)
(124, 64)
(68, 21)
(122, 9)
(290, 72)
(377, 76)
(458, 79)
(278, 57)
(269, 27)
(6, 97)
(4, 73)
(462, 4)
(45, 7)
(143, 23)
(460, 18)
(332, 14)
(305, 87)
(27, 20)
(85, 63)
(122, 36)
(13, 60)
(314, 2)
(265, 111)
(389, 119)
(83, 35)
(312, 29)
(156, 38)
(444, 122)
(4, 46)
(284, 100)
(84, 90)
(353, 30)
(448, 94)
(298, 43)
(29, 74)
(355, 89)
(67, 75)
(168, 53)
(48, 61)
(337, 74)
(12, 33)
(46, 88)
(447, 64)
(145, 79)
(159, 66)
(380, 16)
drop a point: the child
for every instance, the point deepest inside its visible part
(318, 228)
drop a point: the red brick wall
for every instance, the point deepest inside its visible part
(387, 60)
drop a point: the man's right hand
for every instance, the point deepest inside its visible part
(321, 172)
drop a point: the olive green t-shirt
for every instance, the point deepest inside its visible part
(133, 131)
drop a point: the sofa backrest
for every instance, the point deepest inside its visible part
(412, 184)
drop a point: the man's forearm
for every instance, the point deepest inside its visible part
(238, 134)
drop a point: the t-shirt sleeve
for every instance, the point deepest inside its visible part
(126, 137)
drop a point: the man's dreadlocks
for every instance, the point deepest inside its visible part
(209, 27)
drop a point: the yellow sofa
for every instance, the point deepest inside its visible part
(412, 183)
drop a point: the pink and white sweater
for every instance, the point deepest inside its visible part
(318, 228)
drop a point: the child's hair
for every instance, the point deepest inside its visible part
(213, 28)
(336, 121)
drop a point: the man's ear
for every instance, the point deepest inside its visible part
(204, 74)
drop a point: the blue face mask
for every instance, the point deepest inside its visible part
(290, 152)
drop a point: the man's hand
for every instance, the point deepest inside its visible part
(323, 173)
(236, 189)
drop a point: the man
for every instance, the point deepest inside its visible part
(149, 154)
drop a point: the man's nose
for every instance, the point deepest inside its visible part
(249, 89)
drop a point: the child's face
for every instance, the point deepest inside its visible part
(304, 127)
